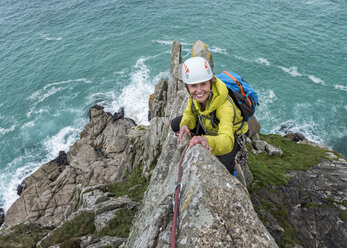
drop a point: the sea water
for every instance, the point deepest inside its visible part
(59, 58)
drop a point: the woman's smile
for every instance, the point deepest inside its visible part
(200, 91)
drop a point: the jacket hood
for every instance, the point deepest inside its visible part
(217, 98)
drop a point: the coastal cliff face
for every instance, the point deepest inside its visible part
(115, 187)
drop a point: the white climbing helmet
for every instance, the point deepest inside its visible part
(196, 70)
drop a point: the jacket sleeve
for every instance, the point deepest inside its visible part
(189, 119)
(223, 142)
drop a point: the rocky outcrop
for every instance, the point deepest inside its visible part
(261, 146)
(94, 159)
(158, 100)
(215, 208)
(314, 203)
(253, 127)
(200, 49)
(103, 206)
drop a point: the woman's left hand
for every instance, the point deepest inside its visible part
(199, 140)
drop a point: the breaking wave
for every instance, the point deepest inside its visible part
(263, 61)
(293, 71)
(341, 87)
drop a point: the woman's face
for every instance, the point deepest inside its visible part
(200, 91)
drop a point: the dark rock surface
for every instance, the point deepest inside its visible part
(21, 187)
(314, 202)
(2, 216)
(119, 114)
(61, 159)
(295, 136)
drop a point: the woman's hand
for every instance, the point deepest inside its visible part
(183, 129)
(199, 140)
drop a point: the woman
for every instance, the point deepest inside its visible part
(210, 113)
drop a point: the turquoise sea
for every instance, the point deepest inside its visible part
(59, 58)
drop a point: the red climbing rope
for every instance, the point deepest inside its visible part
(177, 200)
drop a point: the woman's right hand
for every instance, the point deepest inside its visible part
(183, 129)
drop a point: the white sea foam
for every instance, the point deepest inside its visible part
(50, 90)
(6, 130)
(266, 112)
(121, 72)
(28, 124)
(12, 175)
(47, 37)
(267, 99)
(134, 97)
(10, 178)
(169, 42)
(214, 49)
(341, 87)
(306, 127)
(293, 71)
(316, 79)
(263, 61)
(163, 42)
(242, 58)
(61, 141)
(15, 172)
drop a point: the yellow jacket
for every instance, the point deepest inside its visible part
(221, 138)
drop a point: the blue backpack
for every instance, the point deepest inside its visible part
(241, 92)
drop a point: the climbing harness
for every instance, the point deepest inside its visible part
(177, 200)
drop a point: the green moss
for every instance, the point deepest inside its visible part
(78, 202)
(271, 170)
(279, 212)
(23, 235)
(343, 215)
(153, 165)
(82, 225)
(120, 225)
(141, 128)
(332, 201)
(134, 186)
(258, 209)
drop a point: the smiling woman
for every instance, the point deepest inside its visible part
(208, 99)
(200, 92)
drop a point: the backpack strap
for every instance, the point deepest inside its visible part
(240, 86)
(213, 118)
(242, 121)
